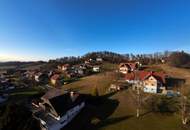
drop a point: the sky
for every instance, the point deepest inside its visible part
(47, 29)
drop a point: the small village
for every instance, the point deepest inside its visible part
(59, 105)
(94, 65)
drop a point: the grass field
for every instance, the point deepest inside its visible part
(117, 112)
(87, 84)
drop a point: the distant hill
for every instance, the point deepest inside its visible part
(17, 64)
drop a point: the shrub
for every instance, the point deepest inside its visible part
(162, 104)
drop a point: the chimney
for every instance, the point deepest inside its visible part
(72, 94)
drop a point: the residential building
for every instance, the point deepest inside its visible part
(64, 67)
(128, 67)
(153, 82)
(57, 111)
(99, 59)
(55, 80)
(96, 68)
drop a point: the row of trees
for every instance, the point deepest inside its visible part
(115, 57)
(179, 59)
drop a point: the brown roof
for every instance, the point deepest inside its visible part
(52, 93)
(55, 77)
(130, 76)
(66, 65)
(131, 65)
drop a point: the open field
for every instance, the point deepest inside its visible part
(117, 111)
(86, 84)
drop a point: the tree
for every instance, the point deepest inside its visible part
(137, 96)
(185, 105)
(179, 59)
(162, 104)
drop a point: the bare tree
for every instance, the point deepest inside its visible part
(185, 106)
(138, 86)
(138, 97)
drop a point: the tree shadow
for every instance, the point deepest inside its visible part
(98, 109)
(108, 95)
(110, 121)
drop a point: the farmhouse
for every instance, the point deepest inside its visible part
(55, 80)
(64, 67)
(153, 82)
(54, 112)
(128, 67)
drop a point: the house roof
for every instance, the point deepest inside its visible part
(63, 103)
(142, 75)
(130, 76)
(160, 76)
(129, 65)
(55, 77)
(132, 65)
(66, 65)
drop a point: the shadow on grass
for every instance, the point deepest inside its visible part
(98, 109)
(111, 121)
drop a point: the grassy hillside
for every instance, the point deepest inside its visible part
(117, 111)
(87, 84)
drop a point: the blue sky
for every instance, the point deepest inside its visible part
(43, 29)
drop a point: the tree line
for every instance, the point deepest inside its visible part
(113, 57)
(173, 58)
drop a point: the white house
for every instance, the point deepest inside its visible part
(96, 69)
(57, 112)
(64, 67)
(99, 59)
(153, 82)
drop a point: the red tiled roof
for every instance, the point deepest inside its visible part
(142, 75)
(130, 76)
